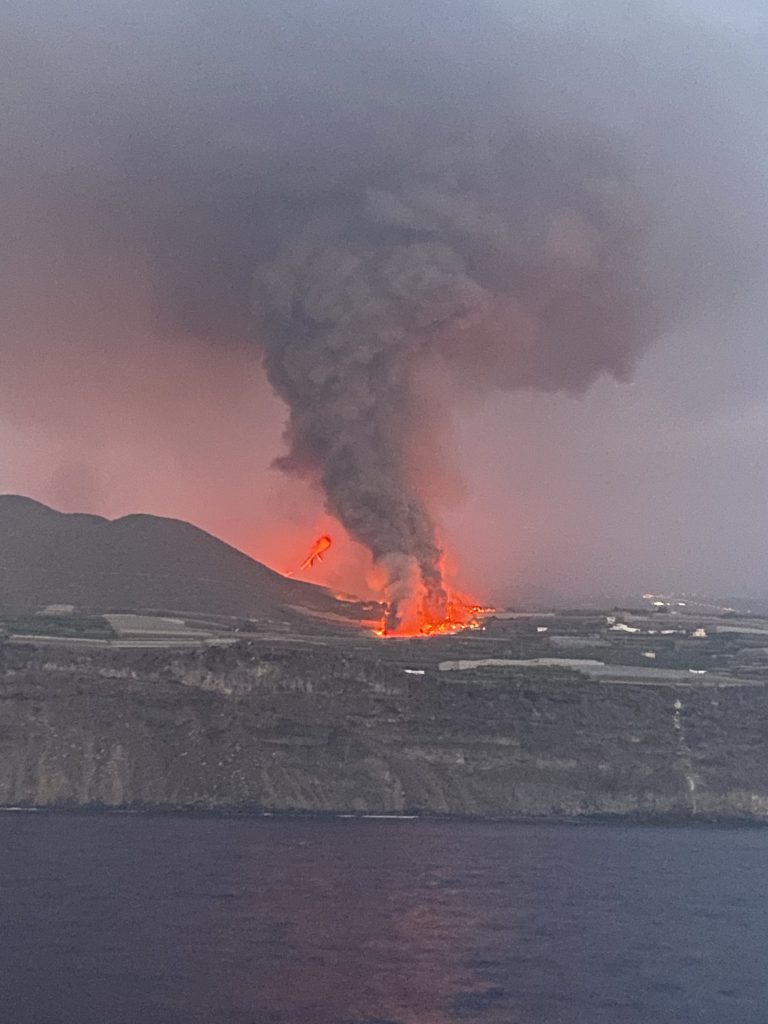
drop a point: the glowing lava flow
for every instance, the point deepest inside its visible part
(319, 548)
(419, 615)
(459, 613)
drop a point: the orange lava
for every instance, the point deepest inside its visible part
(458, 614)
(316, 553)
(420, 614)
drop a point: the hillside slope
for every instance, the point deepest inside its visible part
(140, 561)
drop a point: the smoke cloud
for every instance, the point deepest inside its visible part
(516, 260)
(504, 196)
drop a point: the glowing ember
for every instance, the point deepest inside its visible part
(319, 548)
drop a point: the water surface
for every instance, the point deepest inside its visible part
(176, 920)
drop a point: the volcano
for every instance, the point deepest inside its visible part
(137, 562)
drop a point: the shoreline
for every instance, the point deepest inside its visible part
(670, 821)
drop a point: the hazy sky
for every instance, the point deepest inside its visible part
(151, 153)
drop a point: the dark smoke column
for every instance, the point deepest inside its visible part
(346, 323)
(516, 269)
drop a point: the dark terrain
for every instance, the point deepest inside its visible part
(261, 726)
(139, 561)
(220, 694)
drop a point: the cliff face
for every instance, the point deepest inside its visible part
(246, 729)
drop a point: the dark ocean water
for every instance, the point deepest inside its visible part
(152, 920)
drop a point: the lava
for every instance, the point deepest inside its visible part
(321, 545)
(420, 612)
(458, 613)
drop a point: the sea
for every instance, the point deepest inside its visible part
(142, 919)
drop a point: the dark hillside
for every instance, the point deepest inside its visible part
(138, 562)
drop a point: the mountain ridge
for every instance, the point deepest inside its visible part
(135, 561)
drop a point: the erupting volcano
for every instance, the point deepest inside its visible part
(392, 211)
(441, 268)
(423, 619)
(422, 611)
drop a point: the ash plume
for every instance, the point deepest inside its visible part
(523, 195)
(515, 261)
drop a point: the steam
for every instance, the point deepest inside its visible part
(523, 198)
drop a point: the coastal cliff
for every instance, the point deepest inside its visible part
(249, 728)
